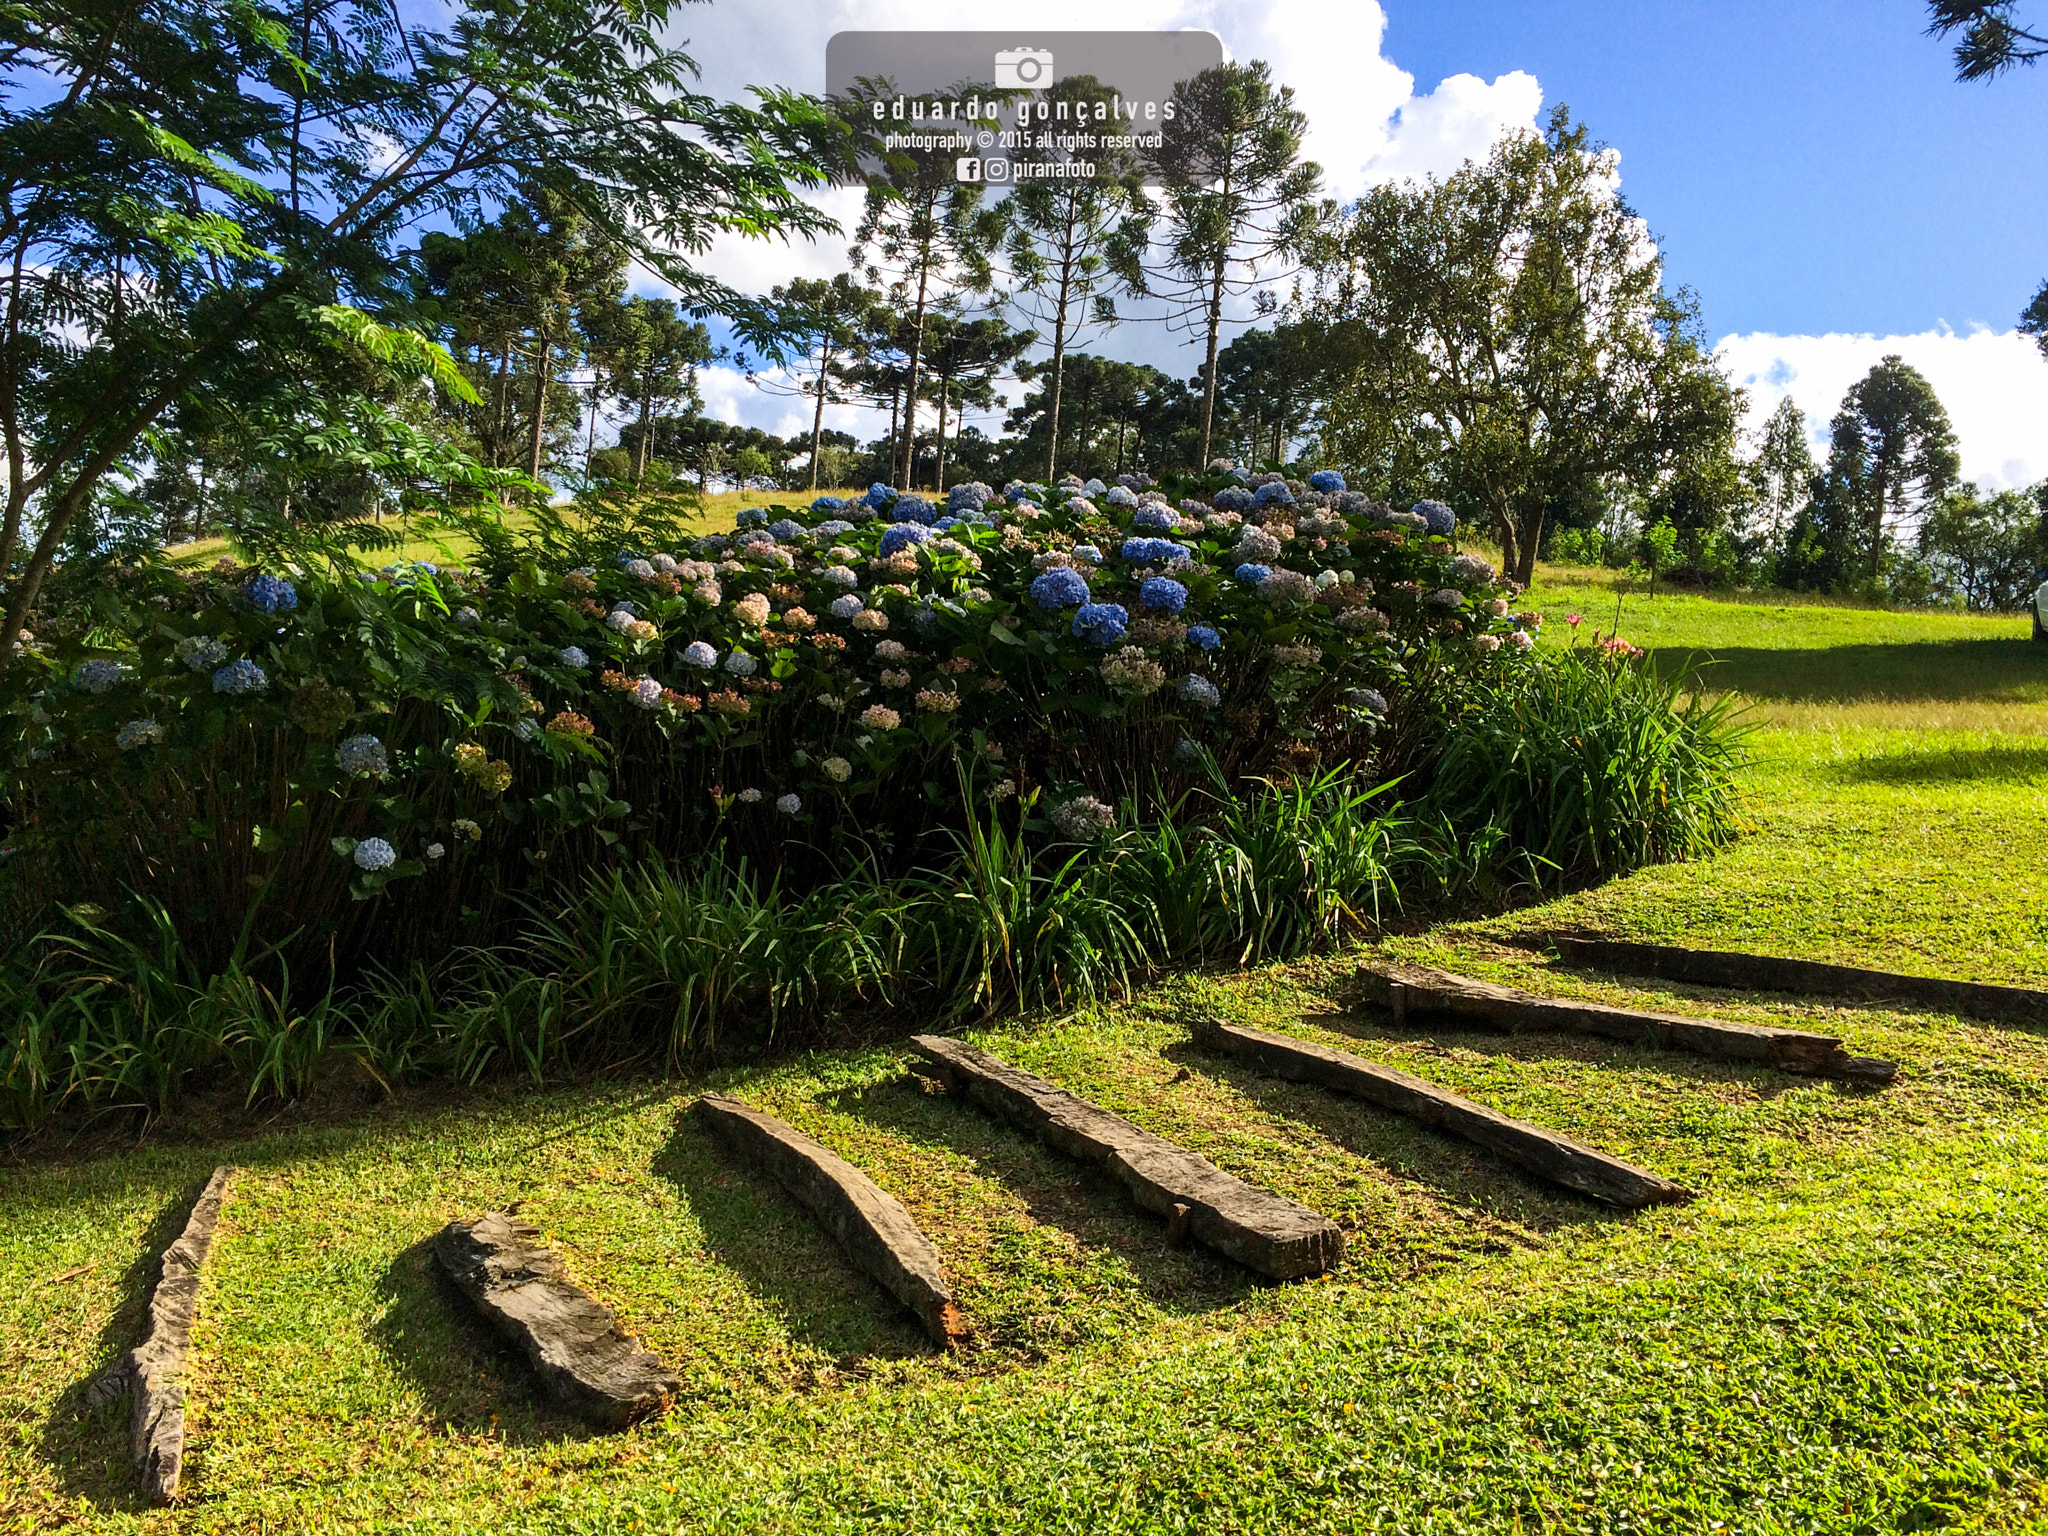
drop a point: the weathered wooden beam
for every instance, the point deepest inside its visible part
(1544, 1153)
(871, 1224)
(152, 1374)
(584, 1359)
(1261, 1230)
(1775, 973)
(1414, 989)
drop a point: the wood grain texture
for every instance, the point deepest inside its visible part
(153, 1372)
(1265, 1232)
(1775, 973)
(1543, 1153)
(1418, 990)
(870, 1224)
(583, 1358)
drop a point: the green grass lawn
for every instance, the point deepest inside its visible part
(1843, 1334)
(423, 541)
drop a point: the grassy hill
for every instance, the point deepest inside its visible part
(1842, 1334)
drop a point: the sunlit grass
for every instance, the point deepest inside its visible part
(1843, 1334)
(421, 539)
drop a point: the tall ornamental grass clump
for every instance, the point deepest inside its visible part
(354, 766)
(1589, 765)
(653, 965)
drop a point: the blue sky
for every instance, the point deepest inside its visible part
(1809, 167)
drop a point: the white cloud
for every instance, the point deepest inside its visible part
(1994, 384)
(1366, 123)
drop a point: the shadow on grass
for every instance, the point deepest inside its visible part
(1461, 1174)
(1913, 672)
(468, 1377)
(777, 1248)
(1375, 1026)
(88, 1446)
(1058, 1191)
(2011, 764)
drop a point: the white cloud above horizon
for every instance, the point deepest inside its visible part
(1368, 123)
(1993, 383)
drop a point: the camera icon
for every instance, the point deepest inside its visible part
(967, 168)
(995, 170)
(1023, 69)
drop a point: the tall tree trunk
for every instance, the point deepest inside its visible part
(1059, 371)
(818, 420)
(1209, 367)
(1532, 536)
(945, 389)
(542, 354)
(924, 272)
(895, 407)
(640, 449)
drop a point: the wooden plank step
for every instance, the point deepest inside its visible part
(1417, 989)
(1261, 1230)
(153, 1372)
(1544, 1153)
(584, 1359)
(871, 1224)
(1774, 973)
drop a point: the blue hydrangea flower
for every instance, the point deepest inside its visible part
(1368, 699)
(202, 653)
(1059, 588)
(751, 517)
(1438, 517)
(829, 504)
(573, 656)
(787, 530)
(373, 854)
(1327, 481)
(1273, 492)
(840, 576)
(971, 497)
(1094, 487)
(1232, 498)
(740, 664)
(1101, 624)
(879, 495)
(913, 509)
(944, 523)
(845, 607)
(1251, 575)
(270, 594)
(902, 536)
(363, 757)
(789, 805)
(98, 676)
(1152, 515)
(237, 677)
(1200, 691)
(138, 733)
(833, 528)
(1163, 594)
(1203, 638)
(1154, 551)
(1089, 553)
(1119, 496)
(700, 653)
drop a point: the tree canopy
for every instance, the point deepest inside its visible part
(202, 207)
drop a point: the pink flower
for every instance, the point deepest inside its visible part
(1574, 619)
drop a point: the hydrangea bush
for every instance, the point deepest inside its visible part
(819, 675)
